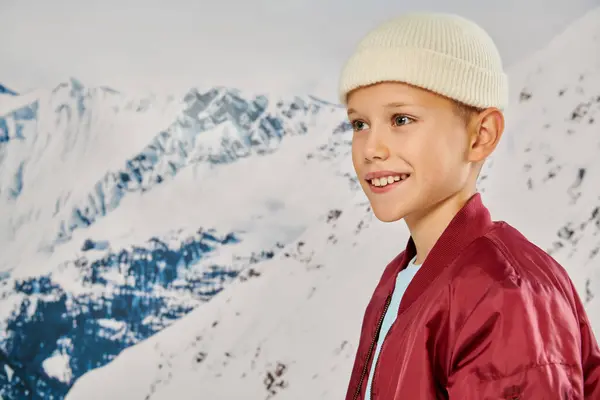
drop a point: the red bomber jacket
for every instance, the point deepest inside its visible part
(489, 315)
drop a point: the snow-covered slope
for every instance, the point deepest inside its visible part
(287, 328)
(120, 214)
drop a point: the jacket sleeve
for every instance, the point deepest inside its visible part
(590, 352)
(521, 342)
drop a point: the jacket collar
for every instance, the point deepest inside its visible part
(471, 222)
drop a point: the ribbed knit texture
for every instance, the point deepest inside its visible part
(444, 53)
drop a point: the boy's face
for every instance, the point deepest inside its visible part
(409, 149)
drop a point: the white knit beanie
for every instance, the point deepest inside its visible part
(444, 53)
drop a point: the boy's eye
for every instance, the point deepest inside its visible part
(400, 120)
(359, 125)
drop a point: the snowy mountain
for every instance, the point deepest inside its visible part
(121, 215)
(216, 244)
(288, 327)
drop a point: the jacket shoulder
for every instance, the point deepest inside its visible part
(503, 261)
(504, 253)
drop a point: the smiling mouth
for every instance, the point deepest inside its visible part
(387, 180)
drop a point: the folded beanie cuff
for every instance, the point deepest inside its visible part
(430, 70)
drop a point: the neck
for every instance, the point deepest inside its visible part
(427, 226)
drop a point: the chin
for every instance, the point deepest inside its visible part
(388, 215)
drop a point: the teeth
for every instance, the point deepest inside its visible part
(386, 180)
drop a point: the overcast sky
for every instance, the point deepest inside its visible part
(256, 44)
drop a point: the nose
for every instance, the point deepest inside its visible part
(375, 147)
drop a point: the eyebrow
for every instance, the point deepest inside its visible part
(396, 105)
(388, 105)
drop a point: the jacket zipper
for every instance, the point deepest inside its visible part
(371, 347)
(377, 363)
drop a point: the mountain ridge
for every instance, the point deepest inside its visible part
(157, 264)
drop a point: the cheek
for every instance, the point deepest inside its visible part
(356, 155)
(439, 159)
(431, 154)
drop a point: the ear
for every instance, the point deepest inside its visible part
(486, 130)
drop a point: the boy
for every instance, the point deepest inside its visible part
(470, 309)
